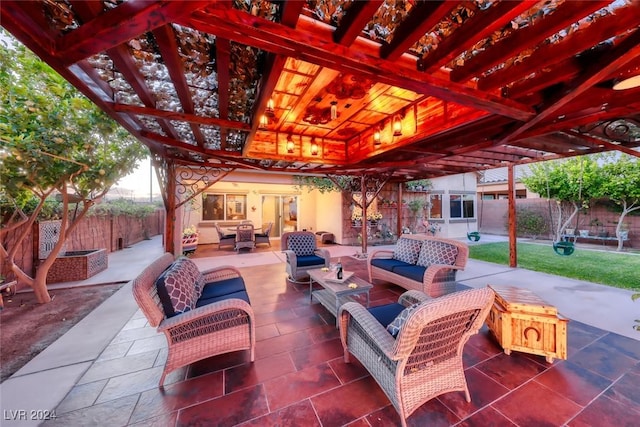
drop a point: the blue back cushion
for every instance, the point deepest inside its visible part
(407, 250)
(302, 244)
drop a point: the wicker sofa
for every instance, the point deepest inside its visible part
(202, 314)
(420, 262)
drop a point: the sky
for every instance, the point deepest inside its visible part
(137, 184)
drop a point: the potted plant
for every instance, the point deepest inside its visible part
(624, 231)
(356, 219)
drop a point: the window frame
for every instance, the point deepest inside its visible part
(230, 200)
(465, 198)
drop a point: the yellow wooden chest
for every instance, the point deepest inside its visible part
(522, 321)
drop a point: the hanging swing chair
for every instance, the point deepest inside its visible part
(473, 236)
(564, 248)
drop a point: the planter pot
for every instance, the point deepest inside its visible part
(584, 233)
(189, 243)
(72, 266)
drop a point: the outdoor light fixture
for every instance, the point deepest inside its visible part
(289, 144)
(270, 112)
(264, 122)
(397, 125)
(334, 110)
(376, 137)
(629, 83)
(314, 147)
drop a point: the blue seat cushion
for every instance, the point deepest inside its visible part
(243, 295)
(307, 260)
(385, 314)
(222, 287)
(388, 263)
(413, 272)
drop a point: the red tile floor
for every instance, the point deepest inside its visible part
(299, 377)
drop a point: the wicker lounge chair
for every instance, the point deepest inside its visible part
(302, 254)
(221, 322)
(425, 360)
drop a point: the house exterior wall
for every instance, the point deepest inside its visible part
(320, 211)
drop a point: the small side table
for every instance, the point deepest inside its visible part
(522, 321)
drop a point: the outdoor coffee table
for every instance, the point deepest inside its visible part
(335, 293)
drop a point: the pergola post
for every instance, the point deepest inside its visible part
(513, 252)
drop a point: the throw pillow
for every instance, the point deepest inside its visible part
(177, 290)
(435, 252)
(407, 250)
(191, 269)
(302, 244)
(394, 327)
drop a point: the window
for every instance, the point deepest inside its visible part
(435, 209)
(461, 205)
(224, 207)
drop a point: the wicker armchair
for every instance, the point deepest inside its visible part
(425, 360)
(218, 327)
(302, 254)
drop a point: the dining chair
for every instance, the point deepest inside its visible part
(224, 239)
(245, 237)
(264, 236)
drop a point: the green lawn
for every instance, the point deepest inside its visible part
(610, 268)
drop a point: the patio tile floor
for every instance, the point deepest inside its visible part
(299, 376)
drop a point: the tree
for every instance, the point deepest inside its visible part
(572, 183)
(54, 142)
(621, 184)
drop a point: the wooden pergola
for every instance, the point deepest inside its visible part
(396, 89)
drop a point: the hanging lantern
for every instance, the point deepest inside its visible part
(290, 145)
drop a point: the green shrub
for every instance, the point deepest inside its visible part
(530, 223)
